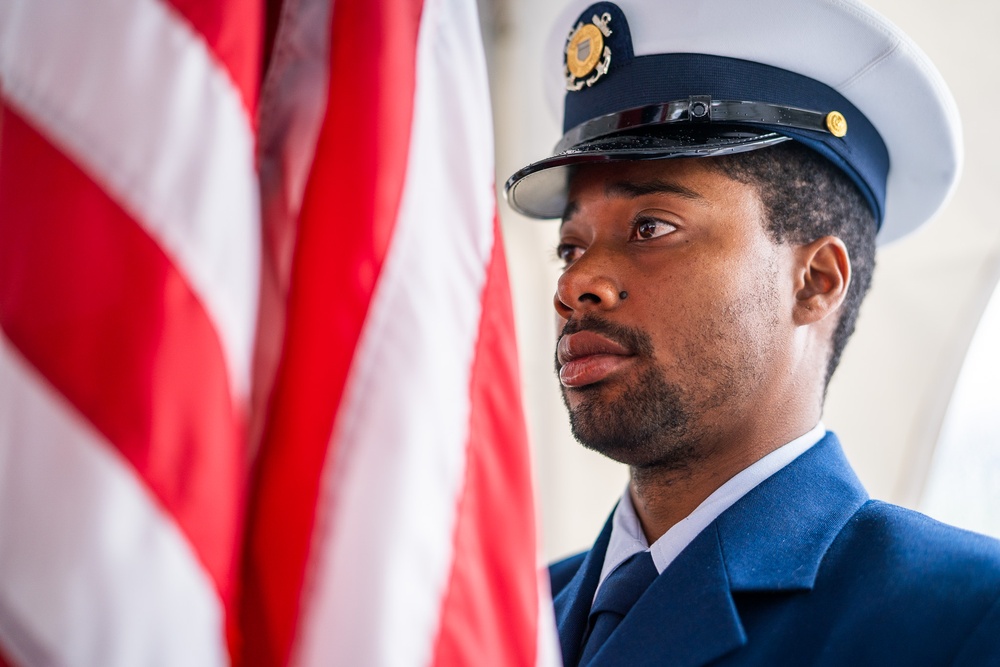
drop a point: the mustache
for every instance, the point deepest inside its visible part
(635, 340)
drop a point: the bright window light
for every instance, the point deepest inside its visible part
(963, 486)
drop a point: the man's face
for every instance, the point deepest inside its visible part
(677, 308)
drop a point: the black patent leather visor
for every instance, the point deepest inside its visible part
(657, 132)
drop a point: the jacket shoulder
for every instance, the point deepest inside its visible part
(918, 563)
(562, 571)
(912, 540)
(902, 583)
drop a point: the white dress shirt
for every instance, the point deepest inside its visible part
(627, 537)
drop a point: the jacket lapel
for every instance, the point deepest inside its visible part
(775, 537)
(573, 602)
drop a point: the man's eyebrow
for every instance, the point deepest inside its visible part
(568, 212)
(632, 189)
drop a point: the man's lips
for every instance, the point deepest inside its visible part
(586, 357)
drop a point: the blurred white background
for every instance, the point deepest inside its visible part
(889, 400)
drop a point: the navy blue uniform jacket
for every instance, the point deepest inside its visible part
(803, 570)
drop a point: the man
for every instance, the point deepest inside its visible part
(724, 171)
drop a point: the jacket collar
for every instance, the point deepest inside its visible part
(775, 537)
(772, 539)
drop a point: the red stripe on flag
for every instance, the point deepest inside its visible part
(348, 215)
(93, 303)
(233, 31)
(490, 611)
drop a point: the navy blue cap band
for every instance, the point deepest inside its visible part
(645, 80)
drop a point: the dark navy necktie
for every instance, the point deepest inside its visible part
(615, 597)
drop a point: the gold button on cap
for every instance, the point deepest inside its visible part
(836, 123)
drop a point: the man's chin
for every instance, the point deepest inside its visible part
(639, 423)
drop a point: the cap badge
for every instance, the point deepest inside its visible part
(836, 123)
(586, 52)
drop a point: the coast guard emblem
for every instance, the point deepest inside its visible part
(586, 52)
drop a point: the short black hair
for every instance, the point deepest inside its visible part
(806, 198)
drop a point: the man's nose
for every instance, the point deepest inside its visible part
(591, 283)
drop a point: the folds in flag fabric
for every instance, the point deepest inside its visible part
(392, 518)
(258, 391)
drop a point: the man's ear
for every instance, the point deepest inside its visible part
(823, 273)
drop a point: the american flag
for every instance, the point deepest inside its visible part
(233, 437)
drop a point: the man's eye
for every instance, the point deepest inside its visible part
(568, 253)
(650, 228)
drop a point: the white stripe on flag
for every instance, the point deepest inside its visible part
(387, 517)
(128, 91)
(549, 651)
(96, 574)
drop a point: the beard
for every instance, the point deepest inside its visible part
(647, 424)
